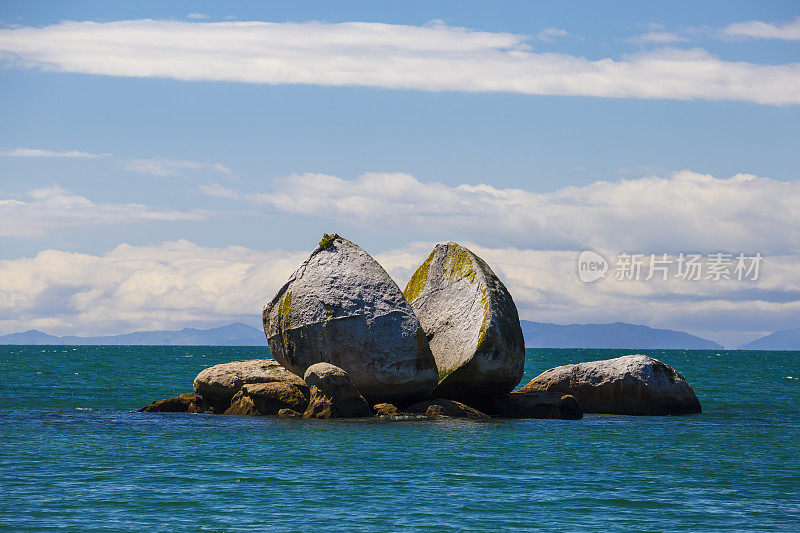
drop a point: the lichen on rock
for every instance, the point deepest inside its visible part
(471, 322)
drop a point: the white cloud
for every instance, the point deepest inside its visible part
(432, 57)
(788, 31)
(197, 16)
(218, 191)
(39, 152)
(658, 37)
(742, 213)
(54, 207)
(166, 167)
(174, 284)
(179, 284)
(549, 35)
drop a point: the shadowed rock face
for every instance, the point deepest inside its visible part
(341, 307)
(539, 404)
(333, 394)
(629, 385)
(263, 399)
(219, 383)
(185, 403)
(441, 407)
(471, 322)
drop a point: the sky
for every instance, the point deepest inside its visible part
(169, 164)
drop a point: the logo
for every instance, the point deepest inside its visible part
(591, 266)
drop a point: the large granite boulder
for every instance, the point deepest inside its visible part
(471, 323)
(629, 385)
(341, 307)
(539, 404)
(219, 383)
(333, 394)
(185, 403)
(441, 407)
(264, 399)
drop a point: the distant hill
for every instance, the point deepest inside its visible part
(787, 339)
(617, 335)
(537, 335)
(237, 334)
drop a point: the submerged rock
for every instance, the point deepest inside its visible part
(185, 403)
(628, 385)
(441, 407)
(333, 394)
(263, 399)
(539, 404)
(471, 322)
(341, 307)
(219, 383)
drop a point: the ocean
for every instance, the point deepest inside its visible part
(74, 455)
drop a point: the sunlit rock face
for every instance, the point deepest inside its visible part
(470, 321)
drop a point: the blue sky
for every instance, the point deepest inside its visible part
(528, 130)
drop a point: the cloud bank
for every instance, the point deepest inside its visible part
(741, 213)
(53, 207)
(179, 284)
(432, 58)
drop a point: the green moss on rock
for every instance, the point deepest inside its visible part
(418, 280)
(327, 240)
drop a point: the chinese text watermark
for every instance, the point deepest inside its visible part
(684, 266)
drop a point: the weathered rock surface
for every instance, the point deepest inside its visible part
(219, 383)
(185, 403)
(385, 409)
(539, 404)
(441, 407)
(628, 385)
(289, 413)
(471, 322)
(263, 399)
(333, 394)
(341, 307)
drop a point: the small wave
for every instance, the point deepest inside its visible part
(84, 409)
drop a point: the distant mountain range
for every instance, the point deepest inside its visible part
(237, 334)
(537, 335)
(787, 339)
(617, 335)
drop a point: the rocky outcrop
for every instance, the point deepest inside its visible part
(629, 385)
(185, 403)
(385, 409)
(333, 394)
(289, 413)
(342, 308)
(471, 322)
(263, 399)
(540, 404)
(219, 383)
(441, 407)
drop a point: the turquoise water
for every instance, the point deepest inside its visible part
(74, 456)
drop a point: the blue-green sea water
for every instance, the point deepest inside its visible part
(74, 456)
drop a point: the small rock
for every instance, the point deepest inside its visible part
(471, 322)
(265, 399)
(220, 383)
(289, 413)
(185, 403)
(541, 404)
(333, 394)
(341, 307)
(628, 385)
(449, 408)
(385, 409)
